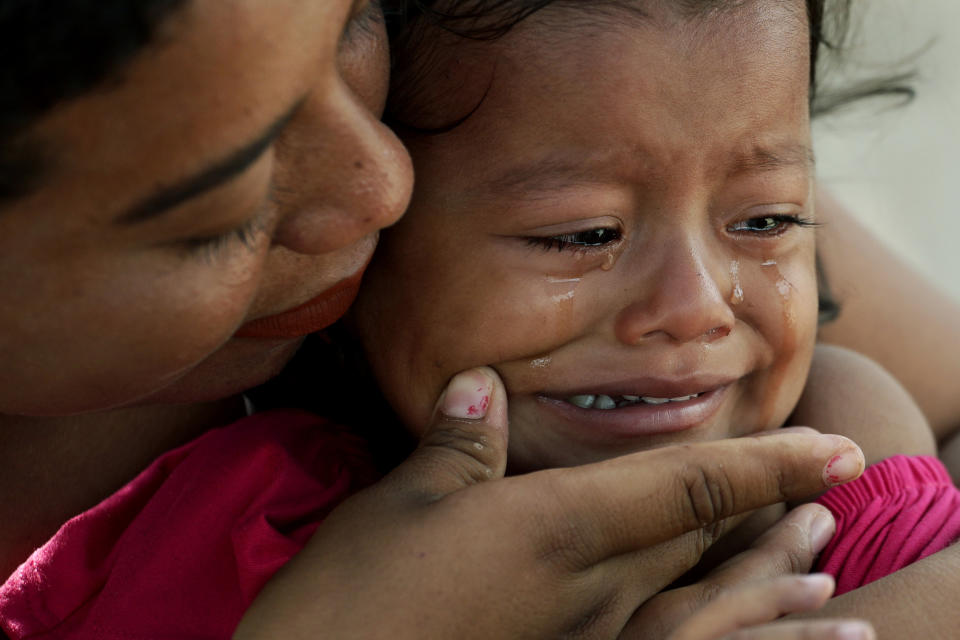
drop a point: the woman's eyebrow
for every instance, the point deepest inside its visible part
(213, 176)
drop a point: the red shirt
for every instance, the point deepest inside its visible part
(182, 550)
(899, 511)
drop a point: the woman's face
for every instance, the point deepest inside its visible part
(202, 211)
(614, 228)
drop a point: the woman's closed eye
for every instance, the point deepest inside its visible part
(771, 225)
(209, 248)
(577, 241)
(245, 236)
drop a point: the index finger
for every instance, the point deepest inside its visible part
(636, 501)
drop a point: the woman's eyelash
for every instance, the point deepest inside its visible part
(579, 241)
(210, 247)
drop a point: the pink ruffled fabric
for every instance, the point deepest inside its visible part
(899, 511)
(182, 550)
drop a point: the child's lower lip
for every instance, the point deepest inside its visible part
(638, 419)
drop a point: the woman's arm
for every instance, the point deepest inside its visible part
(892, 314)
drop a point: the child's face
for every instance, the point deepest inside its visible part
(614, 220)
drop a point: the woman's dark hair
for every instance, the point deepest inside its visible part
(53, 51)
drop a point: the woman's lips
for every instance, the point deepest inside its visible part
(313, 315)
(638, 419)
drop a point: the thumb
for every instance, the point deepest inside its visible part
(466, 441)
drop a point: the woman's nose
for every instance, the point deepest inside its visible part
(685, 299)
(341, 175)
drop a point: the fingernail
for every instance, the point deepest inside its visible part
(467, 396)
(819, 585)
(821, 530)
(818, 580)
(853, 631)
(843, 467)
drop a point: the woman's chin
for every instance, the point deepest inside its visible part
(241, 364)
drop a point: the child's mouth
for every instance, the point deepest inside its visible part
(607, 417)
(605, 403)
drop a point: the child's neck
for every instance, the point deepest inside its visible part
(51, 469)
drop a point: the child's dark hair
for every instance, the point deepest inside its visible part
(55, 51)
(491, 19)
(829, 22)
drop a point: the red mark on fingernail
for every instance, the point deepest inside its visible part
(832, 478)
(475, 410)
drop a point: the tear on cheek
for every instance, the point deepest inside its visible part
(736, 295)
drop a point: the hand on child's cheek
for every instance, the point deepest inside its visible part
(599, 234)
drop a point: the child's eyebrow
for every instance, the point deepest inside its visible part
(783, 156)
(570, 169)
(548, 174)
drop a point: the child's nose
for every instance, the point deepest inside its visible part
(684, 299)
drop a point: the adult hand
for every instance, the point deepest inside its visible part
(753, 588)
(740, 614)
(445, 546)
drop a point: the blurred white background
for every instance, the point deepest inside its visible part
(898, 168)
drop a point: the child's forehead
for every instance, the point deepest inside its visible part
(443, 78)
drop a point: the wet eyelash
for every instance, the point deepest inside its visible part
(781, 219)
(579, 241)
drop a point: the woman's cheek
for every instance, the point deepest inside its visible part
(182, 316)
(205, 314)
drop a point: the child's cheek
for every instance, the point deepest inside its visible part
(780, 304)
(511, 315)
(502, 316)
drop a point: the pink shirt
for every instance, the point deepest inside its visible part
(181, 551)
(899, 511)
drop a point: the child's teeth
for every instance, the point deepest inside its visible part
(584, 402)
(605, 402)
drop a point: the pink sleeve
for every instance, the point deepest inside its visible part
(181, 551)
(901, 510)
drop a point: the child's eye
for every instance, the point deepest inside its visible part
(579, 240)
(772, 225)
